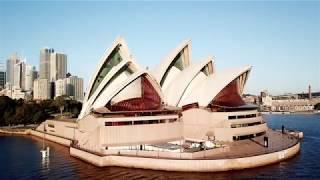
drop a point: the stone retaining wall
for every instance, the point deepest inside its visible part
(53, 138)
(13, 131)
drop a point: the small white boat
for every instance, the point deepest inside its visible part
(44, 152)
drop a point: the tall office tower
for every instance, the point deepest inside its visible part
(74, 87)
(19, 75)
(13, 59)
(58, 66)
(2, 76)
(29, 77)
(41, 89)
(45, 54)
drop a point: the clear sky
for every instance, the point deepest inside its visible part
(281, 40)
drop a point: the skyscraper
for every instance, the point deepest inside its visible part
(13, 59)
(29, 77)
(45, 54)
(19, 75)
(2, 76)
(58, 66)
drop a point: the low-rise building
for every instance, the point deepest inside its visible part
(292, 105)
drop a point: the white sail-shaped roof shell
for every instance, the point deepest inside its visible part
(117, 86)
(127, 59)
(183, 84)
(180, 82)
(207, 90)
(160, 72)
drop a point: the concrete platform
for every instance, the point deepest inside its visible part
(241, 155)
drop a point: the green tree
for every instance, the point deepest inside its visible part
(19, 116)
(60, 103)
(7, 110)
(8, 117)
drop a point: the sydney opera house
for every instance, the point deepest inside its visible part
(179, 114)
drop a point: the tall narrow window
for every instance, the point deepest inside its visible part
(113, 59)
(179, 62)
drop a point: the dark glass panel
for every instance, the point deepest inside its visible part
(113, 60)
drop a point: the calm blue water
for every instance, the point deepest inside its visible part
(20, 159)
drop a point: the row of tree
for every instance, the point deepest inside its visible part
(16, 112)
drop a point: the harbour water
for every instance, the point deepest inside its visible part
(20, 158)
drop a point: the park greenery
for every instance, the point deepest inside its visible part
(17, 112)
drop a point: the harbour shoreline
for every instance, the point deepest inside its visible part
(288, 113)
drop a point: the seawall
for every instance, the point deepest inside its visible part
(15, 131)
(53, 138)
(49, 137)
(200, 165)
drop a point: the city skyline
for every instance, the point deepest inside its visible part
(278, 39)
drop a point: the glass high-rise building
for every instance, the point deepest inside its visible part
(2, 76)
(19, 75)
(29, 77)
(13, 59)
(45, 54)
(58, 66)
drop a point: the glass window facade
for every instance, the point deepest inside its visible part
(113, 60)
(125, 69)
(177, 62)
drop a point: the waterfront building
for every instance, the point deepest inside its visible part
(289, 102)
(58, 66)
(179, 101)
(180, 112)
(45, 55)
(13, 59)
(41, 89)
(293, 105)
